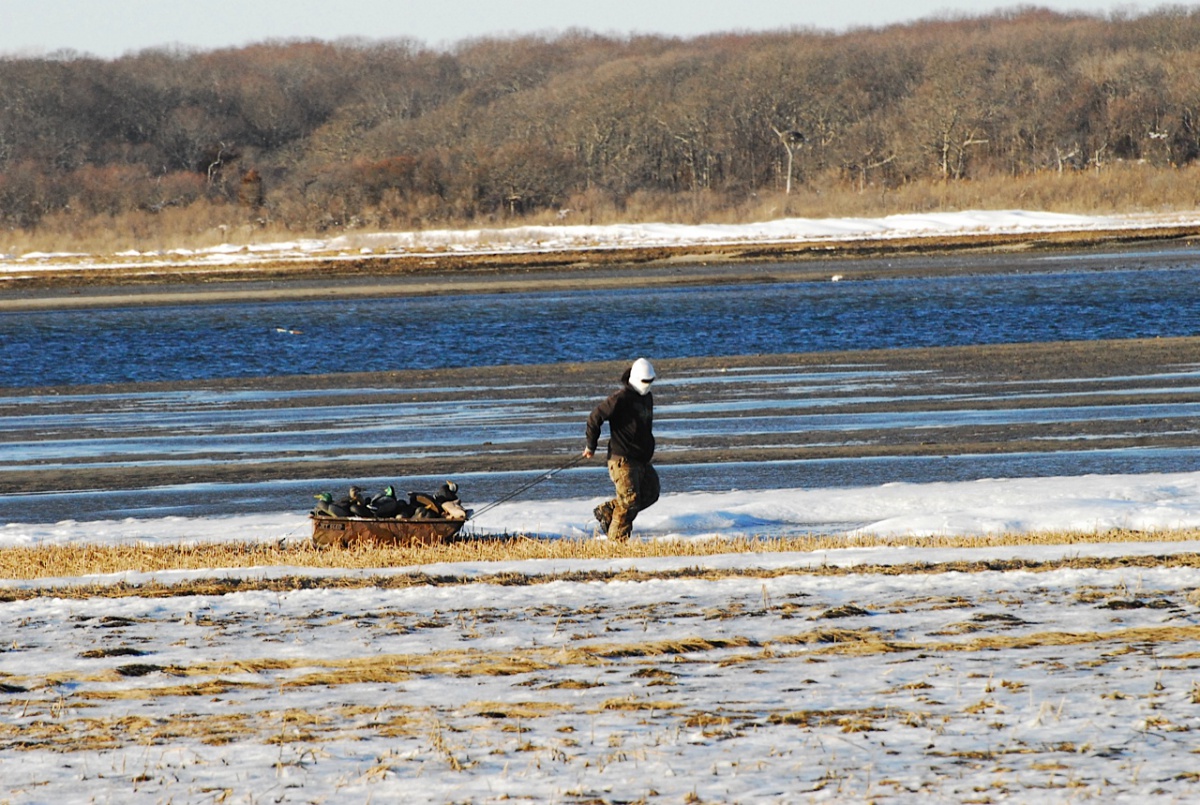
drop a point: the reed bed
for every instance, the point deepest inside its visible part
(1121, 188)
(77, 560)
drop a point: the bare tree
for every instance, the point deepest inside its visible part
(791, 141)
(356, 131)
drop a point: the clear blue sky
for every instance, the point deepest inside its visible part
(110, 28)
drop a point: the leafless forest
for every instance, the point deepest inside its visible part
(1030, 108)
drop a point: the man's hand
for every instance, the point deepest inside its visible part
(587, 452)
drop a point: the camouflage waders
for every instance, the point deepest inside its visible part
(637, 489)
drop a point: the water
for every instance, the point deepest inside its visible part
(285, 338)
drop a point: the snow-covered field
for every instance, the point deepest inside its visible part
(892, 674)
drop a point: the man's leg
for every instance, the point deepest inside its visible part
(629, 478)
(648, 489)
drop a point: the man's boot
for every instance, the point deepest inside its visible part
(603, 514)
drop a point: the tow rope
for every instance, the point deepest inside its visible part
(543, 477)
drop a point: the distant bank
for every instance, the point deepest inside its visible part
(527, 258)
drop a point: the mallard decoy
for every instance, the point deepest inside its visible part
(329, 508)
(448, 502)
(357, 504)
(424, 506)
(385, 504)
(453, 510)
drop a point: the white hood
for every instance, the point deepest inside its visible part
(641, 375)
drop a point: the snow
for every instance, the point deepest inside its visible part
(737, 677)
(533, 239)
(1090, 503)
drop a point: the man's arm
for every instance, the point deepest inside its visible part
(600, 415)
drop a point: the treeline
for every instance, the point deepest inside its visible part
(312, 136)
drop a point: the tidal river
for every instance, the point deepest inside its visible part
(192, 442)
(1051, 298)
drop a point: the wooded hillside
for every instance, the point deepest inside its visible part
(315, 136)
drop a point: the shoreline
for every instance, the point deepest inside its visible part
(345, 276)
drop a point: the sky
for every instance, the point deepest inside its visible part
(111, 28)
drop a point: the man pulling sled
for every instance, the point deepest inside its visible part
(629, 412)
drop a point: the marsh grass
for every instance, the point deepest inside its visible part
(82, 560)
(221, 678)
(1121, 188)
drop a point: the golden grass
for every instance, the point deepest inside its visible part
(67, 566)
(633, 703)
(81, 560)
(849, 720)
(397, 720)
(1119, 188)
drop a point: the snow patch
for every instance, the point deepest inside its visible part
(542, 239)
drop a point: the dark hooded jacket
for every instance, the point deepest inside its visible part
(630, 418)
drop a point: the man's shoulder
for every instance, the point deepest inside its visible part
(620, 394)
(609, 403)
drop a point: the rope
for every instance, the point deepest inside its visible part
(543, 477)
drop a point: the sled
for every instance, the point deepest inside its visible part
(346, 531)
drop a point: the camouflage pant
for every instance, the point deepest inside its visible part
(637, 489)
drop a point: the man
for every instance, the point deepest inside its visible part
(629, 412)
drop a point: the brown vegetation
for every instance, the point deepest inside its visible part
(81, 560)
(1029, 108)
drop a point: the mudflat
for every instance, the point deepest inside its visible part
(928, 386)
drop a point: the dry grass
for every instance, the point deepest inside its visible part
(81, 560)
(63, 570)
(202, 224)
(1118, 188)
